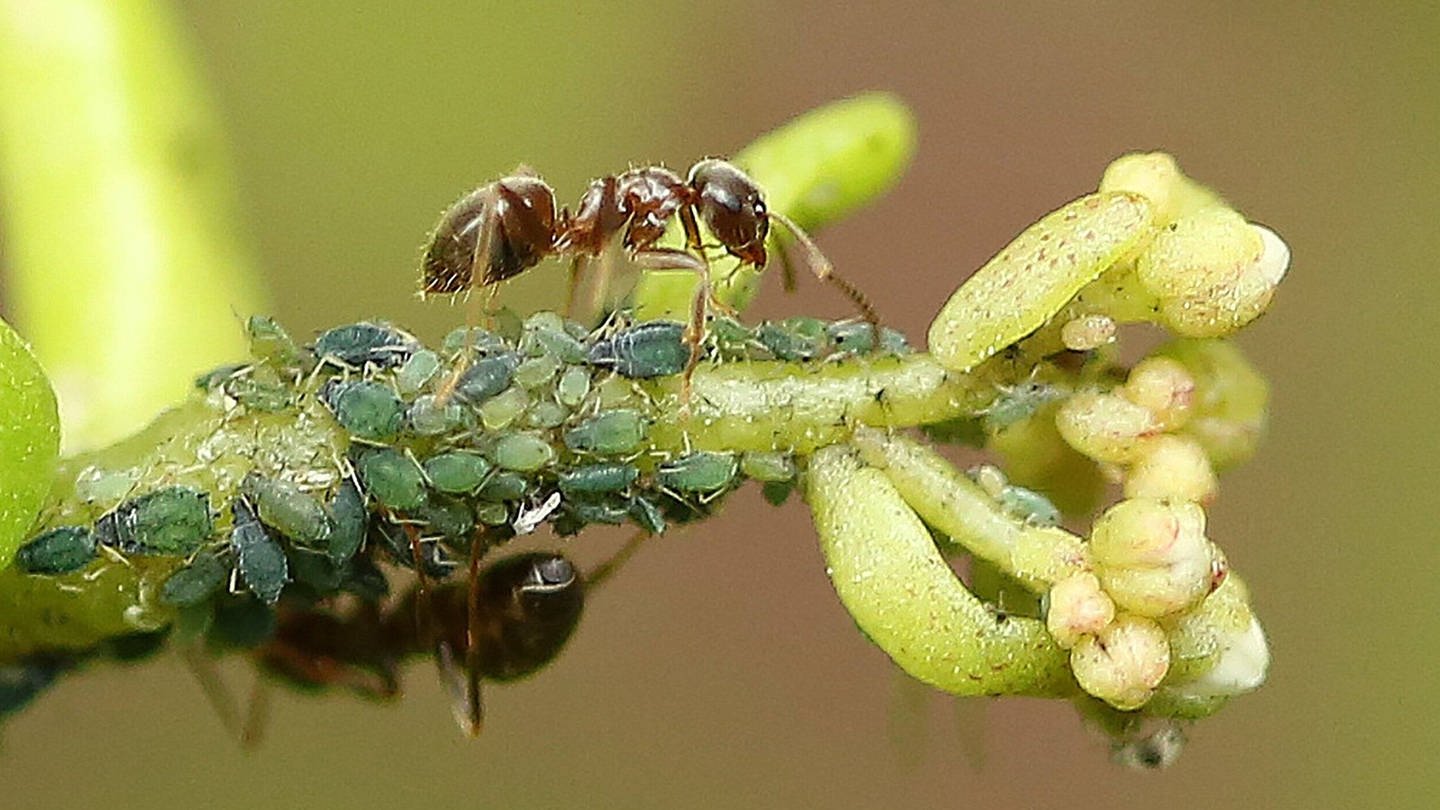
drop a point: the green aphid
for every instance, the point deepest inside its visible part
(730, 336)
(482, 341)
(501, 410)
(795, 338)
(858, 337)
(537, 371)
(608, 511)
(368, 410)
(768, 466)
(270, 343)
(1029, 506)
(258, 557)
(700, 472)
(347, 510)
(448, 518)
(290, 510)
(359, 344)
(647, 515)
(504, 486)
(491, 513)
(546, 415)
(196, 582)
(486, 378)
(612, 433)
(392, 478)
(174, 521)
(965, 430)
(417, 372)
(522, 452)
(426, 417)
(1019, 403)
(649, 349)
(260, 390)
(596, 479)
(58, 551)
(458, 472)
(216, 376)
(245, 622)
(317, 572)
(777, 493)
(554, 343)
(574, 385)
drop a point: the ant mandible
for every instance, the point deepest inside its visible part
(508, 226)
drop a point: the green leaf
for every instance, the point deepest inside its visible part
(29, 440)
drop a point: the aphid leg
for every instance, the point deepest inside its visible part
(821, 268)
(474, 306)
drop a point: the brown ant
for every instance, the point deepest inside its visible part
(510, 621)
(506, 227)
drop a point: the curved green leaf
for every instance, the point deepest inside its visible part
(29, 440)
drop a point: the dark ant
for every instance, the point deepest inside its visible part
(506, 227)
(512, 620)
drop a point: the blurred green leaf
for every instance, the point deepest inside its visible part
(29, 440)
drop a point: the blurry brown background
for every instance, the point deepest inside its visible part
(719, 670)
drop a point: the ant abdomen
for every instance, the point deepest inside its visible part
(512, 222)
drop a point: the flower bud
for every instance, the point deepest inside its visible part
(1156, 177)
(1212, 271)
(1171, 468)
(1219, 648)
(1162, 386)
(1078, 607)
(1228, 415)
(1152, 556)
(1105, 427)
(1124, 663)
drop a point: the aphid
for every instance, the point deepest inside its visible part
(58, 551)
(258, 557)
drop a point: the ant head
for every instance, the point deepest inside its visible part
(732, 207)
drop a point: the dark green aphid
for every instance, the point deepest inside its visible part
(777, 492)
(487, 377)
(392, 539)
(522, 452)
(245, 622)
(698, 472)
(574, 384)
(316, 571)
(731, 337)
(647, 515)
(504, 486)
(173, 521)
(612, 433)
(368, 410)
(795, 338)
(649, 349)
(597, 479)
(360, 343)
(458, 472)
(270, 343)
(349, 516)
(288, 509)
(216, 376)
(201, 579)
(451, 519)
(58, 551)
(392, 478)
(965, 430)
(547, 341)
(259, 558)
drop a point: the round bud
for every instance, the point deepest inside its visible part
(1124, 663)
(1078, 607)
(1162, 386)
(1152, 556)
(1105, 427)
(1171, 468)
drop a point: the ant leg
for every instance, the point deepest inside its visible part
(257, 717)
(672, 259)
(820, 266)
(207, 677)
(607, 569)
(572, 290)
(474, 709)
(479, 263)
